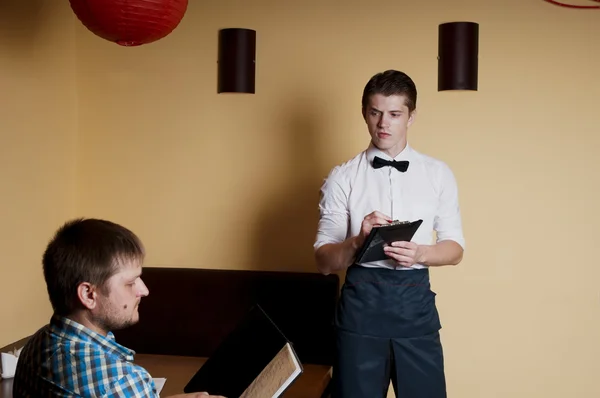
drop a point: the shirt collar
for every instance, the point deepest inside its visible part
(69, 329)
(373, 151)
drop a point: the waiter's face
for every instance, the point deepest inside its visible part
(388, 119)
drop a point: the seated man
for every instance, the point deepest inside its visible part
(93, 275)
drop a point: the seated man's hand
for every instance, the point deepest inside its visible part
(207, 395)
(196, 395)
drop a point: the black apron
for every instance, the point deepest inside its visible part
(387, 329)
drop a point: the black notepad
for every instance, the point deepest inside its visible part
(255, 361)
(372, 249)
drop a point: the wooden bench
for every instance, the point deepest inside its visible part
(189, 311)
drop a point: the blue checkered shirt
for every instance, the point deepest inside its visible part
(66, 359)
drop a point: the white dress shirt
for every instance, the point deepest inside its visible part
(354, 189)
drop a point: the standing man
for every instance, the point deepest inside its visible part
(93, 274)
(387, 324)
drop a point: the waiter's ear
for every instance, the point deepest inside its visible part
(411, 117)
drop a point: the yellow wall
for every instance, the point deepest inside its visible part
(38, 126)
(205, 179)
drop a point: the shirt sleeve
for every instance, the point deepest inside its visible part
(137, 383)
(334, 216)
(447, 222)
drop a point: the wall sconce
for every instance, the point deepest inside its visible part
(458, 51)
(237, 60)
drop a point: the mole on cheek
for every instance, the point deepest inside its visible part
(125, 307)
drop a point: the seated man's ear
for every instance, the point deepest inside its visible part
(87, 295)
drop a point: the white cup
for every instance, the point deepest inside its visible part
(9, 365)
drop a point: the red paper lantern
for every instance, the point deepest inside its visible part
(130, 22)
(561, 4)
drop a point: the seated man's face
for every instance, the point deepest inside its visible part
(119, 300)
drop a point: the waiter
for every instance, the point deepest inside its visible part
(387, 323)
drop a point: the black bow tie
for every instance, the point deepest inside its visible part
(401, 165)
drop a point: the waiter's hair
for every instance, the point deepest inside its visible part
(391, 82)
(86, 250)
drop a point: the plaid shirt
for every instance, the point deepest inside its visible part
(66, 359)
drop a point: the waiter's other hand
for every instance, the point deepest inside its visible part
(371, 220)
(406, 254)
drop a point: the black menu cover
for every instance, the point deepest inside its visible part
(256, 359)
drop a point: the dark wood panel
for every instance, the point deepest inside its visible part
(189, 312)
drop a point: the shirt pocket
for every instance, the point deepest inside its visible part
(424, 207)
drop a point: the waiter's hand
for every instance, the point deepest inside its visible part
(371, 220)
(406, 254)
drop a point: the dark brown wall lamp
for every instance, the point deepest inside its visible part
(458, 51)
(237, 61)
